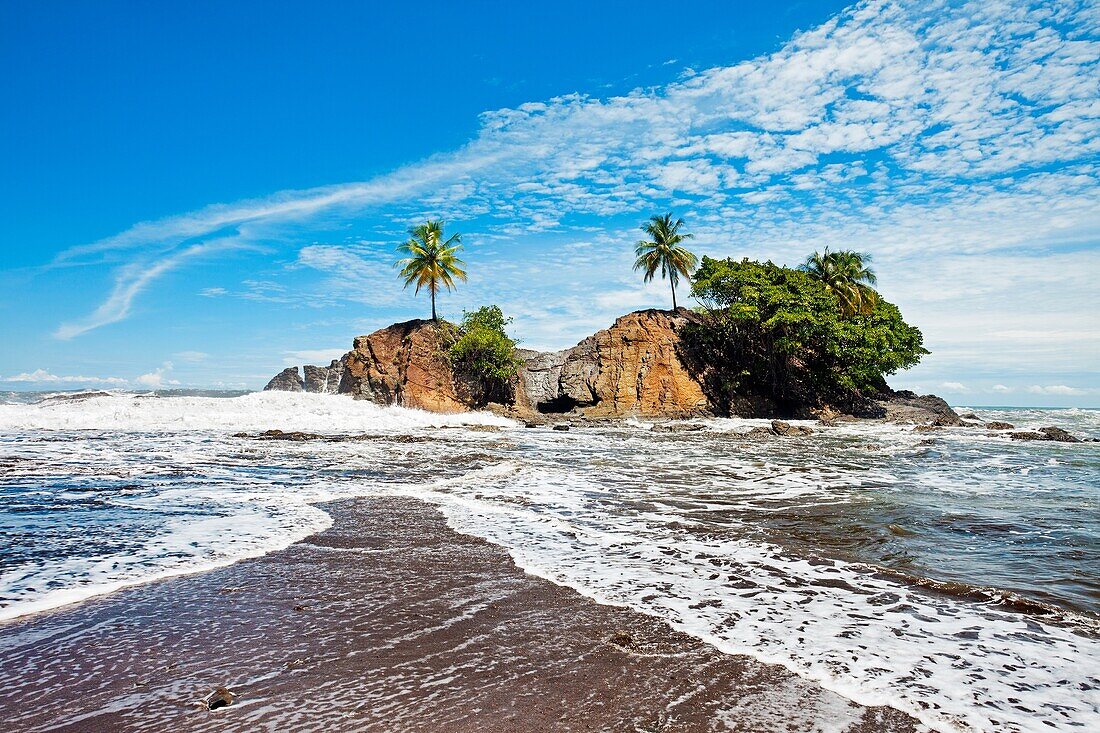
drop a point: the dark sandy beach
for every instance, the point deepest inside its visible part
(389, 621)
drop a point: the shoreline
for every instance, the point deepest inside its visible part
(389, 620)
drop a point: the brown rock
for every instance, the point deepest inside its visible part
(784, 428)
(1058, 435)
(1048, 433)
(679, 427)
(404, 364)
(999, 426)
(907, 407)
(219, 698)
(632, 368)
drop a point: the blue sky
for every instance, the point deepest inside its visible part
(200, 195)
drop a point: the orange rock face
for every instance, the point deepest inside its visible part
(632, 368)
(404, 364)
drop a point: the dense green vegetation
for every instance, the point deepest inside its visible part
(484, 355)
(430, 260)
(663, 251)
(774, 331)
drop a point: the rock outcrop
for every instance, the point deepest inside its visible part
(288, 380)
(325, 379)
(318, 379)
(637, 367)
(404, 364)
(631, 368)
(1058, 435)
(908, 407)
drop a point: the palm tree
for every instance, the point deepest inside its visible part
(431, 260)
(845, 274)
(663, 251)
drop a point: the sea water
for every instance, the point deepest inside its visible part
(954, 574)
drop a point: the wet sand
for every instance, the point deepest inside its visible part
(389, 621)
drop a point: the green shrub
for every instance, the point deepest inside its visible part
(774, 331)
(484, 356)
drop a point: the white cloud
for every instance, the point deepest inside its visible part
(192, 356)
(158, 377)
(954, 387)
(1055, 389)
(1001, 388)
(42, 376)
(318, 357)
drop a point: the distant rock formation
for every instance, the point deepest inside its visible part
(322, 380)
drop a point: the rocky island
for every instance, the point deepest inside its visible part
(638, 367)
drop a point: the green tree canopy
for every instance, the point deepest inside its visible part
(484, 356)
(774, 331)
(663, 251)
(431, 260)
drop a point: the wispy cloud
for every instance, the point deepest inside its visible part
(130, 281)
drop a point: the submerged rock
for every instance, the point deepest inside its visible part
(562, 426)
(1059, 435)
(689, 427)
(783, 428)
(1048, 433)
(219, 698)
(280, 435)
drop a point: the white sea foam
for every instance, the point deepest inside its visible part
(956, 666)
(255, 411)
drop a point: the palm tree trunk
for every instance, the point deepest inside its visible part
(434, 318)
(673, 284)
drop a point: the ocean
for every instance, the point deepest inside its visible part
(954, 574)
